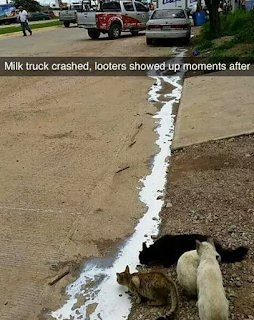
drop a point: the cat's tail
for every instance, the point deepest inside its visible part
(174, 302)
(229, 256)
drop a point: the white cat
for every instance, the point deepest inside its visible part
(212, 301)
(186, 269)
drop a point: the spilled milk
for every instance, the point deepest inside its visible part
(104, 298)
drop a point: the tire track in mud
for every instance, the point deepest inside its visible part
(95, 295)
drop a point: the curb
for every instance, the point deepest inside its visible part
(15, 33)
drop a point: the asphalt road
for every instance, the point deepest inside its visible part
(44, 42)
(62, 141)
(74, 41)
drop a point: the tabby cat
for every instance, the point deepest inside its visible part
(155, 286)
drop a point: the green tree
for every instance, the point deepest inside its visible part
(214, 15)
(28, 5)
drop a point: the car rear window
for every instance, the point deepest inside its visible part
(168, 14)
(76, 7)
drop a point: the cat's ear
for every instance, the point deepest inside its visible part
(210, 240)
(198, 244)
(218, 257)
(144, 246)
(127, 269)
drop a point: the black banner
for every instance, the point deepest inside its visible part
(121, 66)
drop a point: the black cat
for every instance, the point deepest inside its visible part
(166, 250)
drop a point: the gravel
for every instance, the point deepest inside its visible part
(210, 190)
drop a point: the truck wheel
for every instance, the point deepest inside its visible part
(66, 24)
(6, 22)
(149, 41)
(114, 31)
(93, 34)
(134, 32)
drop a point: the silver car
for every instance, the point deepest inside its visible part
(168, 24)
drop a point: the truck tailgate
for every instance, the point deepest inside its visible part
(86, 19)
(66, 15)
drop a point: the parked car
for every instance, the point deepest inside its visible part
(113, 18)
(36, 16)
(50, 14)
(168, 24)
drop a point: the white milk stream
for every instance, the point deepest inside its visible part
(104, 298)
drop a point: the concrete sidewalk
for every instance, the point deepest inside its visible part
(214, 107)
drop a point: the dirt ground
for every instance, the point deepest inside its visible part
(62, 143)
(61, 195)
(210, 191)
(73, 41)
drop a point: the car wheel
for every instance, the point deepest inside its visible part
(66, 24)
(134, 32)
(149, 41)
(114, 31)
(93, 34)
(187, 40)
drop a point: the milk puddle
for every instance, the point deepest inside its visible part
(104, 298)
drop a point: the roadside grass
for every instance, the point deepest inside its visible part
(32, 26)
(204, 45)
(225, 46)
(237, 26)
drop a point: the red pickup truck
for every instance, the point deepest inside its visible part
(113, 18)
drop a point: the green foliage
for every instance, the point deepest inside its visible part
(215, 58)
(252, 52)
(225, 46)
(28, 5)
(10, 29)
(235, 21)
(230, 58)
(239, 27)
(206, 33)
(206, 44)
(238, 24)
